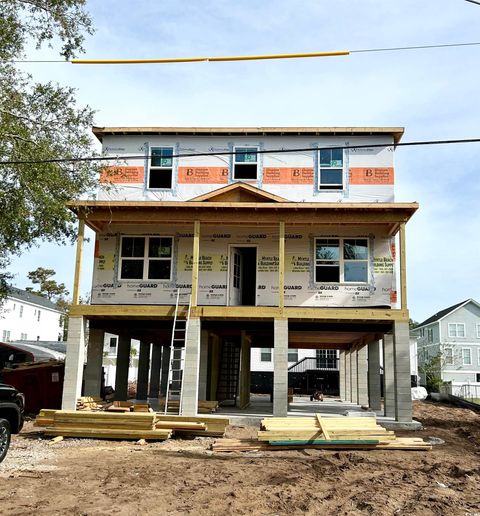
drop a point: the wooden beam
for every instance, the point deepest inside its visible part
(195, 262)
(281, 266)
(244, 371)
(241, 313)
(403, 267)
(78, 262)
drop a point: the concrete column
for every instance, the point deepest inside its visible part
(202, 384)
(189, 405)
(388, 376)
(280, 368)
(362, 375)
(123, 364)
(374, 392)
(341, 371)
(348, 375)
(155, 370)
(93, 369)
(403, 391)
(354, 376)
(143, 370)
(165, 352)
(74, 361)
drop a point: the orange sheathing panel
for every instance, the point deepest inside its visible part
(203, 175)
(371, 176)
(122, 175)
(288, 176)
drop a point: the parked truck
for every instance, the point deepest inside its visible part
(12, 405)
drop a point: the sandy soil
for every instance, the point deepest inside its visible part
(87, 477)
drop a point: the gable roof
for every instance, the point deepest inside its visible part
(238, 192)
(33, 299)
(443, 313)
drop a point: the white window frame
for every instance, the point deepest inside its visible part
(430, 335)
(448, 359)
(20, 312)
(455, 334)
(324, 186)
(341, 261)
(145, 258)
(256, 149)
(463, 356)
(478, 330)
(292, 351)
(160, 167)
(264, 351)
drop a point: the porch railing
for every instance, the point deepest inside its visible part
(314, 364)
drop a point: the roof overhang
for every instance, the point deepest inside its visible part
(99, 215)
(395, 132)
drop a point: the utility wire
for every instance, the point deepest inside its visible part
(239, 153)
(245, 58)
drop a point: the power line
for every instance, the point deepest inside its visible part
(235, 153)
(178, 60)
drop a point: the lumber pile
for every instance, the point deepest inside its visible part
(128, 425)
(91, 403)
(204, 406)
(327, 433)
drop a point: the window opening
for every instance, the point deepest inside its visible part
(331, 169)
(146, 258)
(161, 168)
(333, 266)
(265, 354)
(245, 164)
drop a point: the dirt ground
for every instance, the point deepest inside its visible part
(87, 477)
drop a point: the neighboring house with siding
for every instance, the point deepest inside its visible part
(454, 333)
(28, 317)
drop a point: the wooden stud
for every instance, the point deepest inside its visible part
(78, 262)
(323, 427)
(195, 262)
(244, 371)
(281, 266)
(403, 267)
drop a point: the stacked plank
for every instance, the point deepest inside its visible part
(318, 432)
(204, 406)
(91, 403)
(129, 425)
(101, 425)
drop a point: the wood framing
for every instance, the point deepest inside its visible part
(281, 265)
(403, 267)
(195, 262)
(78, 262)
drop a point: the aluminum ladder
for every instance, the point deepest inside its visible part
(177, 359)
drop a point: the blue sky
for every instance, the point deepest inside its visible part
(432, 93)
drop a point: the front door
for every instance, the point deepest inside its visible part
(242, 276)
(235, 280)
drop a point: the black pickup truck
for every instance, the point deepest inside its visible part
(11, 415)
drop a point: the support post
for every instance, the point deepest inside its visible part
(341, 373)
(202, 382)
(362, 375)
(123, 365)
(165, 365)
(403, 390)
(354, 375)
(189, 406)
(195, 262)
(78, 262)
(72, 383)
(348, 375)
(388, 376)
(281, 266)
(244, 387)
(93, 369)
(143, 369)
(280, 368)
(374, 391)
(155, 369)
(214, 366)
(403, 267)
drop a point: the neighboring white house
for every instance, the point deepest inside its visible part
(453, 333)
(26, 316)
(262, 358)
(110, 343)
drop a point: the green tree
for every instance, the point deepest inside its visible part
(40, 122)
(48, 287)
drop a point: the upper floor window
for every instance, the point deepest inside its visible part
(293, 355)
(456, 330)
(245, 163)
(326, 358)
(478, 331)
(113, 342)
(21, 311)
(265, 354)
(146, 258)
(430, 334)
(339, 260)
(161, 168)
(448, 354)
(38, 315)
(330, 175)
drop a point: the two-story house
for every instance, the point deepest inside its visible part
(452, 336)
(28, 317)
(281, 238)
